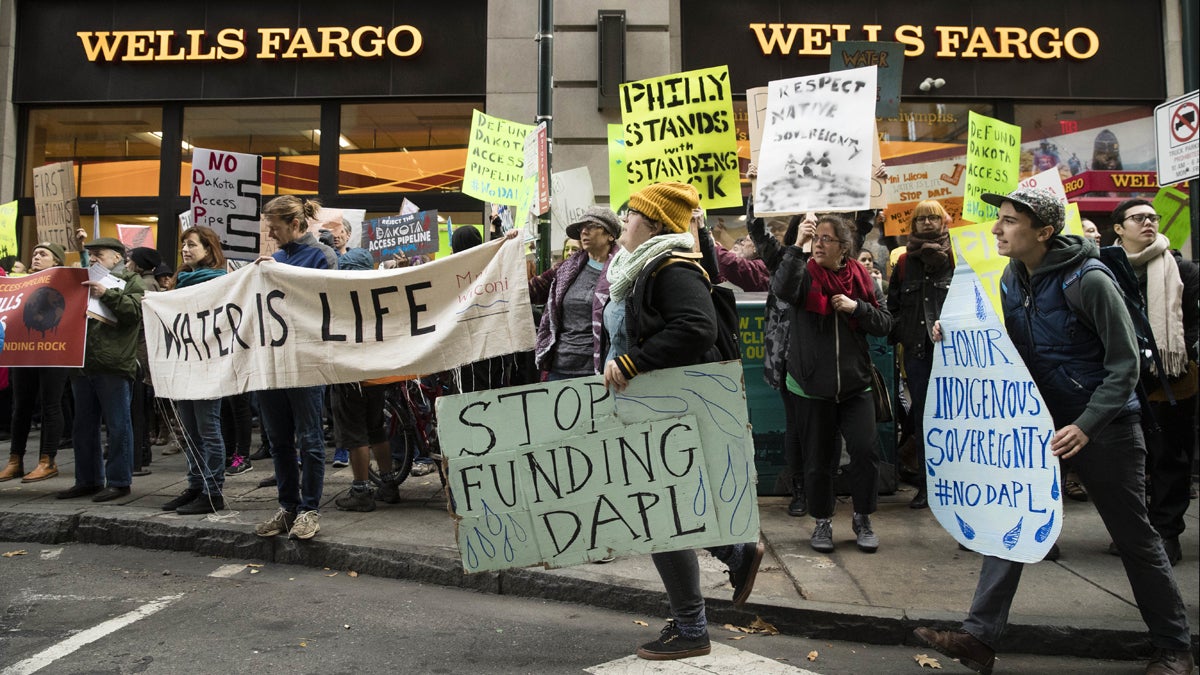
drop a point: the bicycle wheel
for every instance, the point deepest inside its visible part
(400, 440)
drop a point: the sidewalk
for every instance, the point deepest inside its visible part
(1080, 605)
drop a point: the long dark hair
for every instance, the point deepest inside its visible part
(211, 241)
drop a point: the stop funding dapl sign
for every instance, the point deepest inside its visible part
(993, 483)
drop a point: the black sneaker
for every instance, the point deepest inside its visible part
(798, 507)
(356, 500)
(671, 644)
(185, 497)
(260, 454)
(201, 505)
(742, 579)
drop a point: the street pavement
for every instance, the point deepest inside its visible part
(1080, 605)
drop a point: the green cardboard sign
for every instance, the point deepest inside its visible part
(618, 187)
(1176, 212)
(993, 164)
(8, 229)
(562, 473)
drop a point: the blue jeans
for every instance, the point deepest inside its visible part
(107, 397)
(292, 418)
(205, 446)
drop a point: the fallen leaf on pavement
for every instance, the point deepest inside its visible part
(13, 554)
(331, 575)
(352, 573)
(303, 644)
(641, 623)
(738, 637)
(255, 571)
(253, 564)
(925, 660)
(758, 626)
(812, 656)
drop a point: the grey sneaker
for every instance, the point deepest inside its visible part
(867, 541)
(306, 526)
(822, 536)
(356, 500)
(277, 524)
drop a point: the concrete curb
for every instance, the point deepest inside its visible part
(1075, 636)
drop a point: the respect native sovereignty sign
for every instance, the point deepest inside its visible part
(993, 484)
(560, 473)
(270, 325)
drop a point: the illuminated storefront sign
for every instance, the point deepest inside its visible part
(966, 42)
(326, 42)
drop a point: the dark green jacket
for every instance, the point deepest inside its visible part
(112, 350)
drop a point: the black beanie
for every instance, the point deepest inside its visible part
(147, 259)
(465, 237)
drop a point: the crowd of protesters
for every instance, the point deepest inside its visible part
(615, 306)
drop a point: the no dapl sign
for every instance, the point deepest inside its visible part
(1177, 136)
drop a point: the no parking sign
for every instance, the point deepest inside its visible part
(1177, 139)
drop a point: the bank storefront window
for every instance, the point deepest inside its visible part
(403, 147)
(1078, 137)
(116, 150)
(926, 130)
(287, 136)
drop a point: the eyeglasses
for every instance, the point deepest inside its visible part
(1141, 218)
(826, 239)
(927, 219)
(634, 212)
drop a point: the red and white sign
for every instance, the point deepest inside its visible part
(1177, 136)
(45, 318)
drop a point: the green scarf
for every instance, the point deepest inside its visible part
(625, 266)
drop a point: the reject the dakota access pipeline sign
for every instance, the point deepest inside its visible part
(993, 483)
(560, 473)
(271, 326)
(495, 170)
(413, 234)
(680, 127)
(226, 188)
(993, 164)
(816, 144)
(45, 318)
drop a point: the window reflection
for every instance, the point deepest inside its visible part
(116, 150)
(287, 137)
(403, 147)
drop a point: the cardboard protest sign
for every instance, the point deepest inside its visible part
(1051, 180)
(407, 207)
(413, 234)
(338, 220)
(887, 57)
(226, 188)
(878, 183)
(572, 195)
(56, 205)
(8, 229)
(993, 164)
(495, 169)
(44, 316)
(756, 119)
(560, 473)
(680, 127)
(1176, 212)
(975, 245)
(618, 186)
(135, 236)
(910, 184)
(269, 326)
(993, 483)
(185, 221)
(816, 150)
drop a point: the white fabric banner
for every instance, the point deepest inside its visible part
(271, 326)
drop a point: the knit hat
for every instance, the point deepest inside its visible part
(668, 203)
(1044, 203)
(106, 242)
(597, 216)
(163, 270)
(147, 259)
(465, 237)
(55, 250)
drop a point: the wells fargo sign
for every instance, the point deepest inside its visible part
(952, 42)
(231, 44)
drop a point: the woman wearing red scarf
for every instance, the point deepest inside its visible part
(834, 305)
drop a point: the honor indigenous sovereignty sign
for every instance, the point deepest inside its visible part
(226, 188)
(270, 325)
(56, 205)
(413, 234)
(560, 473)
(816, 147)
(993, 164)
(993, 483)
(680, 127)
(44, 316)
(495, 169)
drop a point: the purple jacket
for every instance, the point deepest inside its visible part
(550, 288)
(748, 275)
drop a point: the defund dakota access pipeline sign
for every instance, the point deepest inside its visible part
(993, 483)
(561, 473)
(45, 318)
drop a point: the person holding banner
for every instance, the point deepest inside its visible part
(293, 416)
(660, 315)
(834, 305)
(1085, 363)
(104, 389)
(574, 293)
(35, 386)
(916, 293)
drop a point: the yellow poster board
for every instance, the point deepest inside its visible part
(993, 164)
(495, 170)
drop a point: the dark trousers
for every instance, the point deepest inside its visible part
(793, 448)
(1111, 468)
(821, 421)
(236, 425)
(33, 387)
(916, 372)
(1169, 465)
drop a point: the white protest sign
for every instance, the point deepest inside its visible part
(271, 325)
(817, 144)
(226, 188)
(55, 204)
(560, 473)
(1177, 139)
(1051, 180)
(185, 221)
(571, 196)
(993, 484)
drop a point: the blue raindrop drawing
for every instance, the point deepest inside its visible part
(1044, 531)
(517, 530)
(658, 404)
(1054, 486)
(488, 516)
(967, 530)
(729, 482)
(489, 549)
(1012, 536)
(700, 501)
(726, 418)
(980, 306)
(723, 381)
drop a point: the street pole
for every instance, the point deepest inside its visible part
(545, 113)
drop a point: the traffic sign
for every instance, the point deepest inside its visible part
(1177, 139)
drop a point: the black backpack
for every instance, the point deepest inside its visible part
(728, 343)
